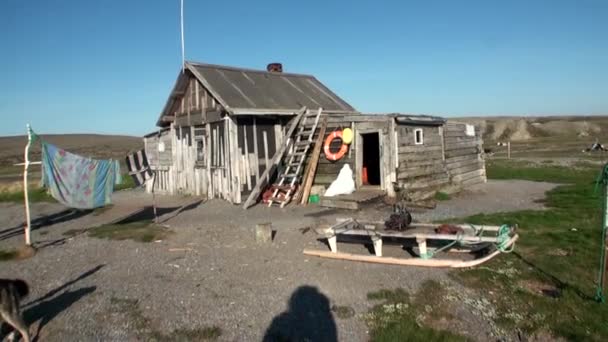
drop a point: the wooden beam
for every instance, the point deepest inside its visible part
(247, 166)
(235, 156)
(198, 97)
(407, 262)
(266, 162)
(311, 168)
(255, 151)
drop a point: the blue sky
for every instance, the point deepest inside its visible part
(107, 66)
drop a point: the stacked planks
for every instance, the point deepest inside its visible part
(421, 171)
(463, 155)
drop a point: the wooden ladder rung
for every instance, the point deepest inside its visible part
(305, 133)
(284, 187)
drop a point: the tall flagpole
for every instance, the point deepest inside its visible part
(182, 33)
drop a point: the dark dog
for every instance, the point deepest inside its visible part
(12, 291)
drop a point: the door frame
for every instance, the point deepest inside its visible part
(359, 157)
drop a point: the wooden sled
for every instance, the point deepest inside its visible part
(485, 241)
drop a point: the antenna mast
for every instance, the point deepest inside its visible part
(182, 33)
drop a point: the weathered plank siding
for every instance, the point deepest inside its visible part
(464, 155)
(193, 106)
(421, 172)
(327, 170)
(257, 144)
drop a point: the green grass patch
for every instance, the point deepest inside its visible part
(74, 232)
(514, 169)
(40, 194)
(144, 329)
(441, 196)
(6, 255)
(548, 283)
(343, 312)
(401, 318)
(126, 183)
(141, 231)
(35, 195)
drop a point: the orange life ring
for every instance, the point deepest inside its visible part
(329, 154)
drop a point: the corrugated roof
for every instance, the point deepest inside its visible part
(239, 90)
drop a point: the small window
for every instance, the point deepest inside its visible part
(200, 151)
(418, 136)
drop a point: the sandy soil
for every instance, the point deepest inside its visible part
(211, 272)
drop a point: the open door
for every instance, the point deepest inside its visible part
(370, 159)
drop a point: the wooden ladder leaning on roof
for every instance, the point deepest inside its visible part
(291, 175)
(276, 159)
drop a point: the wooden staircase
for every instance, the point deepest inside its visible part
(290, 176)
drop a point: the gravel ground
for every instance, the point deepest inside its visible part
(211, 272)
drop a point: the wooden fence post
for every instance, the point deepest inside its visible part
(26, 164)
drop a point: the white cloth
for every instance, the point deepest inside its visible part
(343, 185)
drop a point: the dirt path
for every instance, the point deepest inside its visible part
(211, 272)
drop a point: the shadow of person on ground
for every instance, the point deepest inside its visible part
(308, 318)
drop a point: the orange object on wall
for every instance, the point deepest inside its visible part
(364, 175)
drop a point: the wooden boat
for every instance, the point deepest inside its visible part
(485, 242)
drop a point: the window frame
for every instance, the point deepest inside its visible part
(416, 131)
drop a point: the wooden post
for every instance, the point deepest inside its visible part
(155, 176)
(263, 232)
(247, 166)
(311, 169)
(509, 149)
(377, 241)
(333, 243)
(602, 284)
(422, 246)
(255, 151)
(28, 223)
(266, 162)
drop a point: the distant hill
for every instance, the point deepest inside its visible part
(586, 128)
(90, 145)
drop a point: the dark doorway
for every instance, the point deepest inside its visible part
(371, 159)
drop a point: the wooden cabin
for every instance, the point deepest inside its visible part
(222, 125)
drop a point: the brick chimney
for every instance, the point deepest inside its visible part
(274, 67)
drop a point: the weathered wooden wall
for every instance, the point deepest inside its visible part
(328, 170)
(156, 157)
(194, 104)
(421, 170)
(221, 165)
(463, 155)
(258, 140)
(175, 167)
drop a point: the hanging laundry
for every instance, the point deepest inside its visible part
(139, 168)
(76, 181)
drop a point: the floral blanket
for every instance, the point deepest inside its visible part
(76, 181)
